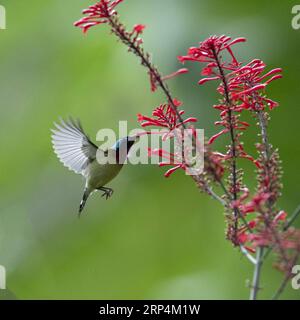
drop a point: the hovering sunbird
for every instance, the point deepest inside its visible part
(78, 153)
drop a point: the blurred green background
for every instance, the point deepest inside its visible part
(156, 238)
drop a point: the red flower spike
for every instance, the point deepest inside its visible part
(209, 48)
(97, 14)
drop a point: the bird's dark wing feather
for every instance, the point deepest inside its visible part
(72, 146)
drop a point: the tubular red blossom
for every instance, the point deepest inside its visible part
(235, 41)
(281, 216)
(207, 71)
(278, 76)
(270, 73)
(188, 120)
(248, 91)
(216, 136)
(147, 121)
(172, 170)
(174, 74)
(203, 81)
(242, 238)
(139, 28)
(177, 102)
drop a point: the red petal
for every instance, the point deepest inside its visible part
(213, 138)
(172, 170)
(204, 80)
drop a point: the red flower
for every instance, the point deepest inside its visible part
(171, 160)
(207, 71)
(139, 28)
(97, 14)
(281, 216)
(255, 205)
(244, 232)
(176, 73)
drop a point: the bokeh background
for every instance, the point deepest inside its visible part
(156, 238)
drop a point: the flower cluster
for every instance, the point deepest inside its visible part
(98, 13)
(247, 82)
(167, 117)
(241, 87)
(207, 51)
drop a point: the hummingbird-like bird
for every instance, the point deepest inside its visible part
(78, 153)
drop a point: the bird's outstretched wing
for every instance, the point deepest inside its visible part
(72, 146)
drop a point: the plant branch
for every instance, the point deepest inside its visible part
(267, 158)
(256, 276)
(288, 224)
(292, 218)
(119, 30)
(248, 255)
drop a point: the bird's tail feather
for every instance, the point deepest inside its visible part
(83, 201)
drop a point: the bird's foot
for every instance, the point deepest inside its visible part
(108, 192)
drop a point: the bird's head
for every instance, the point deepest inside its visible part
(123, 146)
(125, 143)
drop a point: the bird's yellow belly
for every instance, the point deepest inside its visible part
(98, 175)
